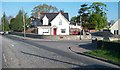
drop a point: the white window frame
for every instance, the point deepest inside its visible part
(60, 22)
(63, 30)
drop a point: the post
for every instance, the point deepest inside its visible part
(80, 34)
(24, 23)
(80, 29)
(35, 27)
(3, 25)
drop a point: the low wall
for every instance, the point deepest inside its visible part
(110, 38)
(58, 37)
(110, 45)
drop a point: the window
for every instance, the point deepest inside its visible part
(116, 32)
(63, 30)
(60, 22)
(45, 30)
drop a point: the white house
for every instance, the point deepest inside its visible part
(53, 24)
(75, 26)
(115, 28)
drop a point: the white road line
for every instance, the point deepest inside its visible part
(12, 45)
(4, 58)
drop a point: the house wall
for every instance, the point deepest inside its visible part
(65, 24)
(45, 20)
(115, 27)
(43, 31)
(75, 26)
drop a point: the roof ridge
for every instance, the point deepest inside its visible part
(52, 12)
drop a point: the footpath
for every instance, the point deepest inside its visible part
(81, 49)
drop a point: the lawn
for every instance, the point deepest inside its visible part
(117, 41)
(106, 54)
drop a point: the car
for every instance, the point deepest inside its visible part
(75, 33)
(6, 32)
(2, 32)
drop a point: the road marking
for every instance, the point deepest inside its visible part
(4, 58)
(12, 45)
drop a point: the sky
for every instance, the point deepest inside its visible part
(12, 8)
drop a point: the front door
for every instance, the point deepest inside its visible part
(54, 31)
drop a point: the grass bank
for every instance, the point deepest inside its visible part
(106, 54)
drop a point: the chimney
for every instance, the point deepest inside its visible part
(61, 11)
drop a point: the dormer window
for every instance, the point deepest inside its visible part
(60, 22)
(45, 20)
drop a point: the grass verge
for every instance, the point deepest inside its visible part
(106, 54)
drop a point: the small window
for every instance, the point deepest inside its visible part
(116, 32)
(45, 31)
(60, 22)
(63, 30)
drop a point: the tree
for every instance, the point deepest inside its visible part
(16, 24)
(75, 19)
(0, 27)
(84, 14)
(111, 22)
(27, 21)
(13, 25)
(5, 23)
(19, 20)
(44, 8)
(98, 11)
(93, 16)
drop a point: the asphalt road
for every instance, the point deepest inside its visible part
(31, 53)
(0, 52)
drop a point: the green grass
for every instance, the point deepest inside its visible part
(106, 54)
(117, 41)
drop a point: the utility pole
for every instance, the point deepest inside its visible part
(24, 23)
(81, 27)
(3, 23)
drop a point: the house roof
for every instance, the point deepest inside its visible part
(50, 16)
(116, 25)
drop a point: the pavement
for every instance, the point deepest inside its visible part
(81, 49)
(0, 52)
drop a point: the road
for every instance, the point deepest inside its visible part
(0, 52)
(31, 53)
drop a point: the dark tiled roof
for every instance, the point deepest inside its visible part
(50, 16)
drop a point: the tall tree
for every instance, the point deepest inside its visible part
(75, 19)
(27, 21)
(5, 23)
(43, 8)
(19, 20)
(13, 24)
(98, 10)
(16, 24)
(84, 14)
(93, 16)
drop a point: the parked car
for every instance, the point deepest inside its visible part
(6, 32)
(75, 33)
(2, 32)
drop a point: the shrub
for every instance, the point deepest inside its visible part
(110, 45)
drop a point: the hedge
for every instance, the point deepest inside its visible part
(110, 45)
